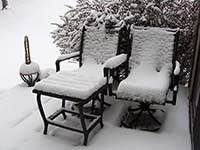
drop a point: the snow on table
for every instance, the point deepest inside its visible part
(78, 84)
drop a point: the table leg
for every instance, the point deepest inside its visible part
(83, 124)
(42, 113)
(102, 108)
(63, 106)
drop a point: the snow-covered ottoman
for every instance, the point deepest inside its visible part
(77, 87)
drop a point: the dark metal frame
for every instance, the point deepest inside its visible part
(120, 72)
(97, 119)
(143, 107)
(196, 128)
(29, 79)
(174, 78)
(194, 107)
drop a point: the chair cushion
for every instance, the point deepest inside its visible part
(99, 44)
(145, 84)
(153, 46)
(80, 83)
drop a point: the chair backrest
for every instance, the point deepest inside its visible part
(153, 47)
(98, 45)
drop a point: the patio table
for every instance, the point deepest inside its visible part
(91, 96)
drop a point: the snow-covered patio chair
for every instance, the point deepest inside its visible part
(98, 49)
(154, 71)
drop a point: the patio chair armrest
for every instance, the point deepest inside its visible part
(177, 68)
(110, 67)
(175, 82)
(115, 61)
(65, 57)
(176, 75)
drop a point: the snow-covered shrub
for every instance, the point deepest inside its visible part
(160, 13)
(4, 4)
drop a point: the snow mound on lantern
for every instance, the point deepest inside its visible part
(31, 68)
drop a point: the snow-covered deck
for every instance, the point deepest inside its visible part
(21, 127)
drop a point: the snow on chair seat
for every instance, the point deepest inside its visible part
(145, 84)
(73, 84)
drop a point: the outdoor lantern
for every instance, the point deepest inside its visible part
(29, 71)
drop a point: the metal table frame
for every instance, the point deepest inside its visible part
(97, 119)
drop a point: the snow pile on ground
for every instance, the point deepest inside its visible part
(22, 127)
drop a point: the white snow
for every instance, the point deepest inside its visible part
(66, 56)
(99, 45)
(175, 88)
(32, 18)
(115, 61)
(134, 5)
(177, 68)
(74, 84)
(46, 72)
(31, 68)
(21, 126)
(153, 46)
(156, 9)
(143, 18)
(145, 84)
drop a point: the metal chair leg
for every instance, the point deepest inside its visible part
(136, 119)
(105, 103)
(42, 113)
(152, 116)
(93, 106)
(138, 112)
(63, 106)
(45, 128)
(102, 109)
(85, 132)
